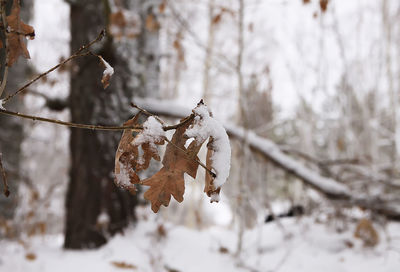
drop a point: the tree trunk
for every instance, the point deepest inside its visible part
(91, 190)
(11, 132)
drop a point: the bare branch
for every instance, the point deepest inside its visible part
(77, 54)
(69, 124)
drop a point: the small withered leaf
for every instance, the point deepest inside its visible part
(162, 6)
(30, 256)
(217, 18)
(15, 30)
(123, 265)
(152, 23)
(108, 72)
(323, 4)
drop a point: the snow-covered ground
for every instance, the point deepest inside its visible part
(153, 245)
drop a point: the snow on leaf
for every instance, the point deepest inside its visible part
(152, 135)
(219, 149)
(15, 30)
(107, 74)
(178, 159)
(126, 159)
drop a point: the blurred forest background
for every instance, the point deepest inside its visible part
(309, 92)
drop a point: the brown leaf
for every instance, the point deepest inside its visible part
(30, 256)
(323, 4)
(217, 18)
(126, 159)
(123, 265)
(17, 29)
(107, 74)
(105, 80)
(151, 23)
(223, 250)
(118, 19)
(178, 159)
(178, 47)
(161, 231)
(367, 233)
(209, 187)
(162, 6)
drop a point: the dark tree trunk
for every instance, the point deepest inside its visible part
(11, 132)
(91, 189)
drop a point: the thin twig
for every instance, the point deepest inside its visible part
(77, 54)
(166, 128)
(69, 124)
(3, 172)
(5, 75)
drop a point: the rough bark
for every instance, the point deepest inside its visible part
(91, 189)
(11, 132)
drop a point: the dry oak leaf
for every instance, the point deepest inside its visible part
(126, 159)
(178, 159)
(15, 30)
